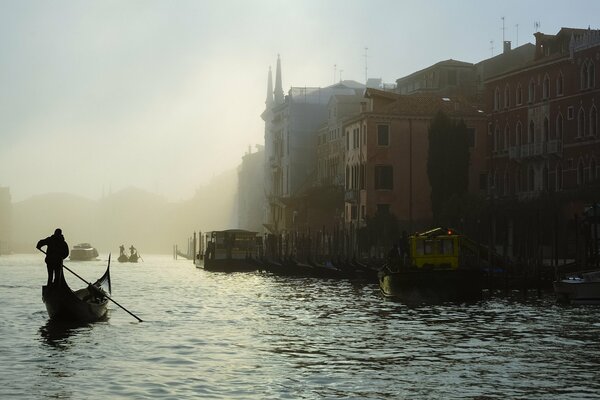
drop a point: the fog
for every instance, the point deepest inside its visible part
(106, 99)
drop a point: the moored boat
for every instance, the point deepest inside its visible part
(230, 250)
(440, 266)
(84, 305)
(83, 252)
(578, 288)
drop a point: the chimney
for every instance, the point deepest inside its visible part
(506, 46)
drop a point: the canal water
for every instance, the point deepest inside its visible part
(257, 336)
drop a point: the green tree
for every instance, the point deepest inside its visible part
(447, 161)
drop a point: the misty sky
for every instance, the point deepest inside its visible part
(163, 95)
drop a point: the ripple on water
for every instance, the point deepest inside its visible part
(258, 336)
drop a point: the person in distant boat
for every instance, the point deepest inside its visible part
(122, 250)
(57, 250)
(132, 250)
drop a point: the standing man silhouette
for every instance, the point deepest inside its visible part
(56, 251)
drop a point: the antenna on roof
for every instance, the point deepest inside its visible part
(503, 30)
(366, 75)
(536, 26)
(334, 72)
(517, 26)
(492, 47)
(341, 70)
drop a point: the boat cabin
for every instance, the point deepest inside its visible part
(231, 244)
(436, 248)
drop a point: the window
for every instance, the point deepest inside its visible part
(531, 91)
(559, 85)
(506, 97)
(593, 175)
(583, 76)
(364, 134)
(384, 177)
(471, 137)
(383, 135)
(546, 87)
(497, 99)
(519, 134)
(347, 140)
(545, 178)
(519, 99)
(581, 123)
(559, 177)
(559, 127)
(580, 175)
(482, 181)
(497, 138)
(531, 132)
(506, 143)
(570, 113)
(383, 209)
(591, 75)
(353, 212)
(546, 129)
(452, 77)
(530, 179)
(593, 122)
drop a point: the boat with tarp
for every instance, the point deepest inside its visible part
(83, 252)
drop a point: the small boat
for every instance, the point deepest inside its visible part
(578, 288)
(232, 250)
(83, 252)
(123, 258)
(441, 266)
(133, 258)
(84, 305)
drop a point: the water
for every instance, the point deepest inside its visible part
(256, 336)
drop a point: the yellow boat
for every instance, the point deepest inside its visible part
(441, 265)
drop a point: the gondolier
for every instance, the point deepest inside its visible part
(57, 250)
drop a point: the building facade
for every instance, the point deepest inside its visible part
(386, 156)
(543, 118)
(291, 135)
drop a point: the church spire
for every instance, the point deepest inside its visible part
(269, 101)
(278, 87)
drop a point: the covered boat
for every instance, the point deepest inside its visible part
(84, 305)
(441, 265)
(230, 251)
(83, 252)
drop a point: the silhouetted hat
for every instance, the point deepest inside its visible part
(58, 231)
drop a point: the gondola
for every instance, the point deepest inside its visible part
(84, 305)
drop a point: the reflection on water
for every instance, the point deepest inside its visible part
(259, 336)
(58, 334)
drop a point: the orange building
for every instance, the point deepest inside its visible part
(386, 155)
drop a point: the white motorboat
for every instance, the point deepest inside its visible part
(579, 288)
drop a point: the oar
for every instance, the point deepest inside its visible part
(99, 289)
(140, 256)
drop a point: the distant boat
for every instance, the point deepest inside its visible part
(84, 305)
(83, 252)
(123, 258)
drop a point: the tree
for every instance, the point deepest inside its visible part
(447, 161)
